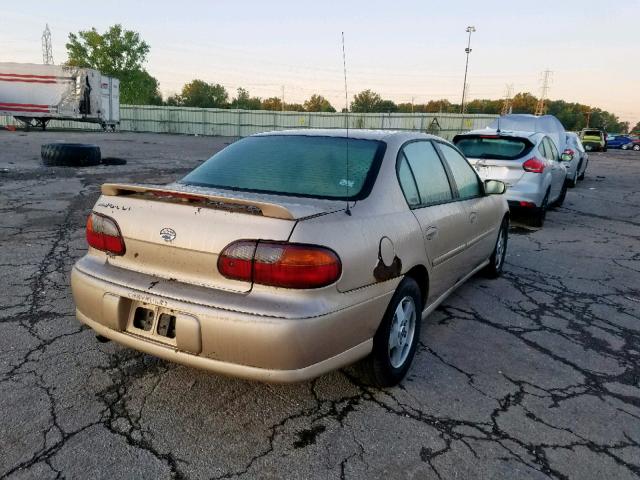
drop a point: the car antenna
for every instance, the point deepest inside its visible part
(346, 113)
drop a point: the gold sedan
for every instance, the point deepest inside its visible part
(290, 254)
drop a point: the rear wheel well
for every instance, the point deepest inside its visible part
(421, 276)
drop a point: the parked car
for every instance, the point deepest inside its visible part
(290, 254)
(575, 158)
(634, 144)
(594, 139)
(528, 163)
(618, 141)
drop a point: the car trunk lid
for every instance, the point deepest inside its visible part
(177, 232)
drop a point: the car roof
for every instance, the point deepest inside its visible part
(506, 133)
(359, 133)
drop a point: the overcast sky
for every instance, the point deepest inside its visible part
(401, 49)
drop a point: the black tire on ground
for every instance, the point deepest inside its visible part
(378, 368)
(70, 155)
(496, 260)
(537, 219)
(636, 148)
(604, 149)
(572, 182)
(113, 161)
(563, 195)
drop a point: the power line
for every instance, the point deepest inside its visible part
(47, 51)
(507, 104)
(546, 79)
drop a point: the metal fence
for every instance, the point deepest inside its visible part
(240, 123)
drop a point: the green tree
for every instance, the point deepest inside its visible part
(272, 103)
(317, 103)
(365, 101)
(524, 103)
(386, 106)
(244, 101)
(117, 53)
(199, 93)
(294, 107)
(636, 129)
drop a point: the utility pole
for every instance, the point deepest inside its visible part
(470, 29)
(588, 115)
(507, 104)
(546, 79)
(47, 52)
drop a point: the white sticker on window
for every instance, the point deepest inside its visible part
(346, 183)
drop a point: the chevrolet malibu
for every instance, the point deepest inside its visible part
(290, 254)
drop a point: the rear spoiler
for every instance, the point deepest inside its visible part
(208, 200)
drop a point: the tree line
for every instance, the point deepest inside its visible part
(122, 54)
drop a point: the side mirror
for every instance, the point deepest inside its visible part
(494, 187)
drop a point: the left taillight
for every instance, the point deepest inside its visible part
(104, 234)
(280, 264)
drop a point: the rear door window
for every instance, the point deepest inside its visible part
(431, 182)
(464, 175)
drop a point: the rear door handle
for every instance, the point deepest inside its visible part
(431, 232)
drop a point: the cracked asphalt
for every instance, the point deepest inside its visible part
(534, 375)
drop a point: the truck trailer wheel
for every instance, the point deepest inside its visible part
(70, 155)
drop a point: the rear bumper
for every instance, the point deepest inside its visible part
(524, 191)
(246, 345)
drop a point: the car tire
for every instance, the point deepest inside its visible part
(537, 219)
(604, 149)
(624, 147)
(496, 260)
(636, 148)
(395, 341)
(70, 155)
(563, 194)
(572, 182)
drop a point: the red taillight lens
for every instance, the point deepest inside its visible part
(533, 165)
(104, 234)
(236, 260)
(280, 264)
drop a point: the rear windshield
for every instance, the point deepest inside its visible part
(308, 166)
(499, 148)
(591, 133)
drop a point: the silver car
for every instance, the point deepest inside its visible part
(575, 158)
(529, 164)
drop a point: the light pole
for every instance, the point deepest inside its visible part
(470, 30)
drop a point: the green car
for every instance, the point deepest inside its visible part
(594, 139)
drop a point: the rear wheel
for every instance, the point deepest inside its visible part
(538, 217)
(496, 261)
(636, 148)
(573, 181)
(394, 344)
(563, 195)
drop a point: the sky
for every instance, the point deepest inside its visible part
(404, 50)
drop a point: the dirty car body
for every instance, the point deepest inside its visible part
(278, 260)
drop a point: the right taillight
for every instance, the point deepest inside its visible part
(104, 234)
(534, 165)
(280, 264)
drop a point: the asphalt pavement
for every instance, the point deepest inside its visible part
(533, 375)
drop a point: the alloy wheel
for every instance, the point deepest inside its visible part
(403, 327)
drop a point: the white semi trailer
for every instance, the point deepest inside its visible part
(35, 94)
